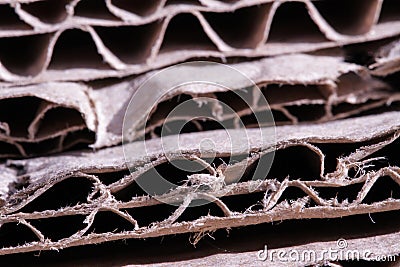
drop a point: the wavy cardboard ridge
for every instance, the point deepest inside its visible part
(274, 199)
(93, 114)
(104, 52)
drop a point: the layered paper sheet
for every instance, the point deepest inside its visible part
(112, 38)
(329, 71)
(72, 114)
(330, 170)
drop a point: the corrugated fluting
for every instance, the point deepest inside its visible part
(329, 69)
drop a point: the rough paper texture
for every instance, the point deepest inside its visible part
(331, 89)
(45, 118)
(92, 41)
(329, 70)
(345, 154)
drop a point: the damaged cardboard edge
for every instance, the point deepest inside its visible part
(119, 69)
(210, 223)
(108, 98)
(41, 170)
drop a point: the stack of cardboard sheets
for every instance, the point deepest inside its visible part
(329, 69)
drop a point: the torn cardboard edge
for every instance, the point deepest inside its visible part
(336, 83)
(43, 173)
(335, 88)
(387, 60)
(45, 118)
(109, 64)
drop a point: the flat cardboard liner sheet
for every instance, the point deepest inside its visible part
(329, 170)
(68, 115)
(98, 39)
